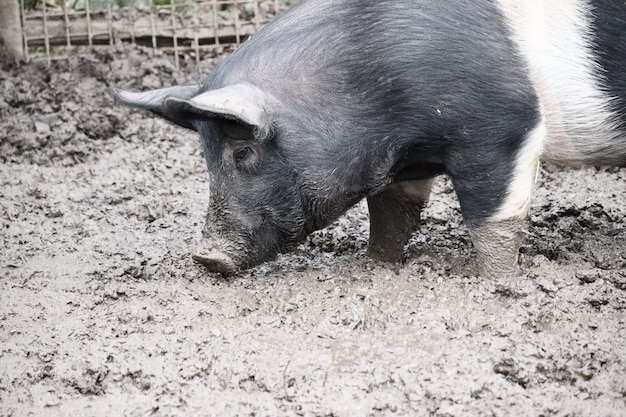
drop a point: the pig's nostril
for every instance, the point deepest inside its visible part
(214, 260)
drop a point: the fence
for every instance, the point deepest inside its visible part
(51, 30)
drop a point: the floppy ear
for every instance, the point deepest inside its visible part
(242, 103)
(183, 105)
(154, 100)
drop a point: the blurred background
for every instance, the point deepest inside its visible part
(187, 29)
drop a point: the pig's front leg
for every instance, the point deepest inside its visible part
(497, 246)
(394, 216)
(495, 200)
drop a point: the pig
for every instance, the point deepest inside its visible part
(339, 100)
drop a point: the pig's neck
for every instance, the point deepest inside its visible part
(334, 179)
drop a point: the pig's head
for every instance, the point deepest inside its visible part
(255, 206)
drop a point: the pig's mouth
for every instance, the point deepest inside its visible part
(227, 259)
(240, 243)
(214, 259)
(223, 257)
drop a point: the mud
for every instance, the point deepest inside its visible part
(103, 312)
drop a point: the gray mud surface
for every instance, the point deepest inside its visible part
(103, 312)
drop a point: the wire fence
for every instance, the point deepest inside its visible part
(185, 27)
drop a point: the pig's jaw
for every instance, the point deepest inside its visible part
(214, 259)
(229, 255)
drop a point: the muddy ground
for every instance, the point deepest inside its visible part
(104, 313)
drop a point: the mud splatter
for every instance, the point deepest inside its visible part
(103, 312)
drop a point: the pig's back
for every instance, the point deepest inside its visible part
(576, 53)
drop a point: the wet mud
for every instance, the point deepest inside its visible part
(103, 312)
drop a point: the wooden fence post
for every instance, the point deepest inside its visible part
(11, 28)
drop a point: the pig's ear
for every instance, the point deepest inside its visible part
(155, 100)
(242, 103)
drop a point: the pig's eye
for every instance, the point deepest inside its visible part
(241, 154)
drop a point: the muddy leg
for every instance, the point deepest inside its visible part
(497, 247)
(394, 216)
(495, 206)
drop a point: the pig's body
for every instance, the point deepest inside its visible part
(575, 58)
(335, 101)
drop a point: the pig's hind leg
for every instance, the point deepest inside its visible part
(394, 217)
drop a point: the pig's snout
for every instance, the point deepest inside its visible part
(214, 259)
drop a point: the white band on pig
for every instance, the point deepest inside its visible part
(581, 119)
(518, 198)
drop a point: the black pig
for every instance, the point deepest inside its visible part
(337, 100)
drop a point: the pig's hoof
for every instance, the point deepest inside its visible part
(215, 261)
(384, 254)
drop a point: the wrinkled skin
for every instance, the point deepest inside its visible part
(262, 201)
(255, 210)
